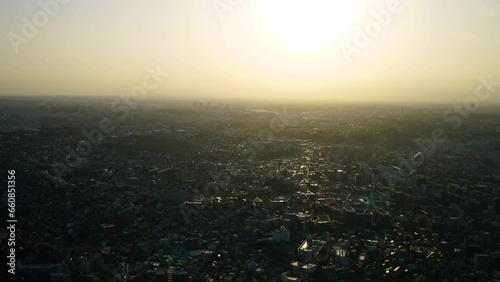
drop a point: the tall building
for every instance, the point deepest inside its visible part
(342, 257)
(281, 235)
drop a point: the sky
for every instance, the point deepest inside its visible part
(424, 51)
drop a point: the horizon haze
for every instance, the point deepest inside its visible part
(356, 51)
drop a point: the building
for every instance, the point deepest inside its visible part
(281, 235)
(174, 275)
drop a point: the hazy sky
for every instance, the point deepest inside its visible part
(429, 51)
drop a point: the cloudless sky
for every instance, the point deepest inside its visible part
(431, 51)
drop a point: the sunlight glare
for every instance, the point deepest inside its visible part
(307, 25)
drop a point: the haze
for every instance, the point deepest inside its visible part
(432, 51)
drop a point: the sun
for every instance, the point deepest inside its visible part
(306, 25)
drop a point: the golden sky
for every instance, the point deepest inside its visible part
(427, 51)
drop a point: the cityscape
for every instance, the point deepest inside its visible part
(192, 191)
